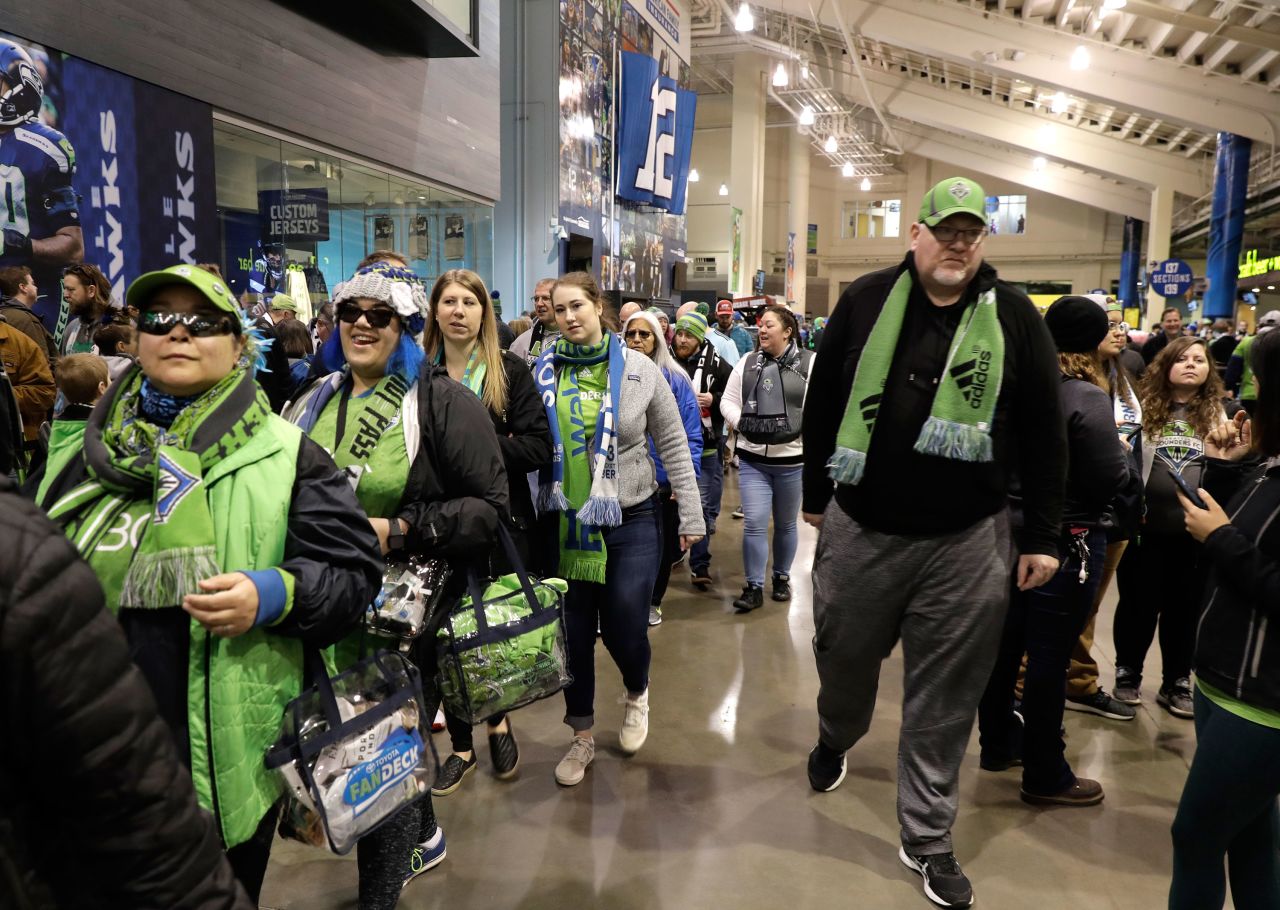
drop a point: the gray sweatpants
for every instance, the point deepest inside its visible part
(945, 598)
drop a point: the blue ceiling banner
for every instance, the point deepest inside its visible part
(655, 135)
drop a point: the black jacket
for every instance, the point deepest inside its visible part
(1235, 650)
(276, 380)
(457, 489)
(715, 377)
(524, 436)
(904, 492)
(95, 809)
(1154, 345)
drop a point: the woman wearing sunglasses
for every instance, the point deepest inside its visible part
(643, 333)
(603, 402)
(425, 464)
(225, 541)
(462, 334)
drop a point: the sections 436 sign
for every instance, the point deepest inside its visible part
(655, 135)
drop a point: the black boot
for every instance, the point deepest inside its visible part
(781, 587)
(752, 599)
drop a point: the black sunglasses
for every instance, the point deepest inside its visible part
(378, 317)
(638, 333)
(199, 325)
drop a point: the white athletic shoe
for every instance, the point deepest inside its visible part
(635, 722)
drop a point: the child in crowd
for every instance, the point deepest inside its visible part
(82, 379)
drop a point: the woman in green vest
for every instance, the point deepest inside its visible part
(225, 541)
(421, 454)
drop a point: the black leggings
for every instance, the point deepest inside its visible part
(460, 735)
(670, 512)
(249, 859)
(1160, 580)
(1228, 809)
(383, 856)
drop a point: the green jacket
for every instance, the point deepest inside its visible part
(236, 688)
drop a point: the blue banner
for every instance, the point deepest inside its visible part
(144, 174)
(655, 135)
(300, 215)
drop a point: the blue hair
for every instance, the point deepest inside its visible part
(406, 359)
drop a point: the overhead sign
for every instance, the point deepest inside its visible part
(669, 20)
(294, 215)
(1171, 278)
(655, 135)
(1252, 265)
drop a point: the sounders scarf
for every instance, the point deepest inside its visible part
(959, 424)
(764, 410)
(581, 484)
(130, 459)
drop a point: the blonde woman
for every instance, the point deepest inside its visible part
(462, 335)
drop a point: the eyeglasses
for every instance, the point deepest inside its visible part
(639, 333)
(1120, 327)
(199, 325)
(378, 317)
(544, 297)
(947, 234)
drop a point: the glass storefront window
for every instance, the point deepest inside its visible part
(867, 219)
(292, 217)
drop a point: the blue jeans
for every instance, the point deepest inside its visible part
(711, 486)
(1228, 810)
(1044, 623)
(619, 608)
(766, 489)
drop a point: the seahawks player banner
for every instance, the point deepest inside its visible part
(91, 155)
(655, 135)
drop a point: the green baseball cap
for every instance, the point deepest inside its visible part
(953, 196)
(284, 302)
(207, 283)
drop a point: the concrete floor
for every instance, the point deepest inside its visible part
(716, 810)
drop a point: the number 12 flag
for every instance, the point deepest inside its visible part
(655, 137)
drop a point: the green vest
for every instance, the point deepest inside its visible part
(237, 688)
(1247, 391)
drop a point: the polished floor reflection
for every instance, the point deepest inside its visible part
(716, 810)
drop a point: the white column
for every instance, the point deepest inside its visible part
(1158, 230)
(746, 162)
(798, 211)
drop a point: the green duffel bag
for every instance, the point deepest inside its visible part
(503, 646)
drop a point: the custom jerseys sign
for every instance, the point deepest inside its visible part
(655, 135)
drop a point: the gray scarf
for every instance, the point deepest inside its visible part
(766, 418)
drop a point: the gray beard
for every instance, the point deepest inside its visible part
(949, 279)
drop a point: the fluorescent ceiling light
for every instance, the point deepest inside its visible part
(847, 169)
(865, 185)
(780, 78)
(1039, 163)
(1058, 104)
(694, 176)
(830, 145)
(744, 21)
(806, 116)
(724, 189)
(1080, 58)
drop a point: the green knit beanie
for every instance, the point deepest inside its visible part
(695, 324)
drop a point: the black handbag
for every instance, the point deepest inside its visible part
(352, 750)
(502, 647)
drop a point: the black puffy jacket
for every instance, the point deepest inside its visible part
(1236, 651)
(96, 811)
(524, 436)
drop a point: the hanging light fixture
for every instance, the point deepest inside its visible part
(865, 185)
(830, 145)
(1039, 163)
(1080, 58)
(804, 69)
(1058, 104)
(724, 189)
(694, 176)
(780, 77)
(744, 21)
(806, 116)
(846, 170)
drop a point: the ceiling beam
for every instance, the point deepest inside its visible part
(1123, 22)
(1151, 132)
(1198, 144)
(1157, 88)
(1018, 168)
(957, 112)
(1226, 47)
(1175, 16)
(1258, 64)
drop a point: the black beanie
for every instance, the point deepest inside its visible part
(1077, 324)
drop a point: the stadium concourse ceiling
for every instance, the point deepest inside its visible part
(1099, 100)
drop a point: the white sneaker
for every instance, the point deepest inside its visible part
(635, 722)
(573, 767)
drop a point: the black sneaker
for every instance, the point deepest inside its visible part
(1176, 699)
(452, 773)
(826, 768)
(944, 883)
(752, 599)
(781, 587)
(700, 578)
(1128, 690)
(1101, 704)
(505, 753)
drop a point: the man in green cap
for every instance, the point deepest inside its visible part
(936, 383)
(283, 307)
